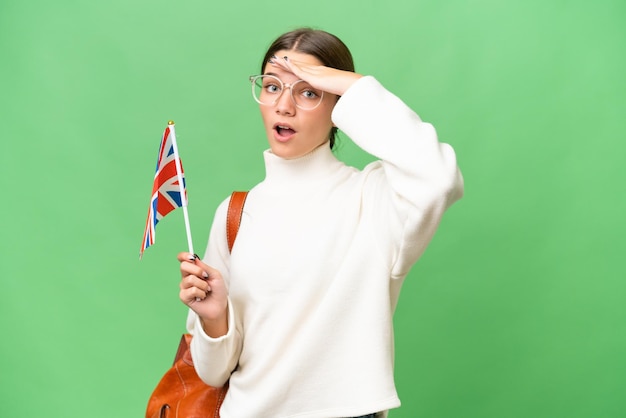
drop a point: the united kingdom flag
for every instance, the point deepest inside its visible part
(168, 190)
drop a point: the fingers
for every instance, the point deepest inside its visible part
(288, 65)
(191, 280)
(186, 257)
(194, 259)
(193, 289)
(191, 264)
(193, 284)
(196, 277)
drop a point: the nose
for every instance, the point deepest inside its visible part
(285, 104)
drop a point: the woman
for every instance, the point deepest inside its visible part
(298, 318)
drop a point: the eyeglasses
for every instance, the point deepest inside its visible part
(267, 89)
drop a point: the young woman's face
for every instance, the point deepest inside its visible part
(293, 132)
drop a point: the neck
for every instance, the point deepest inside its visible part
(298, 172)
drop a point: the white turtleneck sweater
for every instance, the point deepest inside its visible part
(316, 270)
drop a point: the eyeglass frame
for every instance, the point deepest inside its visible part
(285, 86)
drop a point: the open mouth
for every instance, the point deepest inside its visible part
(284, 130)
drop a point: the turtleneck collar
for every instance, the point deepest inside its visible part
(314, 166)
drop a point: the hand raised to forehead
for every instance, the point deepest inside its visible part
(321, 77)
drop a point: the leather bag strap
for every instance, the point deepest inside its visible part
(233, 217)
(183, 347)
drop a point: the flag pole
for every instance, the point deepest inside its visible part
(181, 185)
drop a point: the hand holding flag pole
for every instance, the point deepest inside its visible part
(168, 190)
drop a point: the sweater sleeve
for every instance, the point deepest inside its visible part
(420, 174)
(215, 358)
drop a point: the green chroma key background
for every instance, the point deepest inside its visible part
(516, 310)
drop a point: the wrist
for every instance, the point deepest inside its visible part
(215, 326)
(349, 79)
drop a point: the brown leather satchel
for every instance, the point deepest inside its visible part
(180, 392)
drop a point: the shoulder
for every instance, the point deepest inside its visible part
(221, 212)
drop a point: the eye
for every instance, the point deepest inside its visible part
(306, 92)
(272, 88)
(309, 94)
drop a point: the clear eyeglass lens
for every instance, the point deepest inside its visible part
(267, 89)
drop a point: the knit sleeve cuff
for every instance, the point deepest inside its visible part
(199, 331)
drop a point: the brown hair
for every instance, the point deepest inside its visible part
(324, 46)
